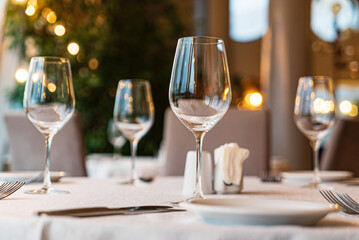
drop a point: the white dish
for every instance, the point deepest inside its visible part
(25, 175)
(307, 176)
(259, 211)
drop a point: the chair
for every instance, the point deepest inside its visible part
(342, 149)
(27, 146)
(248, 128)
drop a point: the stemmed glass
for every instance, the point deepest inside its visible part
(116, 138)
(49, 102)
(314, 114)
(133, 115)
(200, 90)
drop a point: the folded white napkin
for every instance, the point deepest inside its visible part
(229, 159)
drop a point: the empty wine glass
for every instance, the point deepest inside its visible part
(133, 115)
(314, 114)
(49, 103)
(200, 90)
(116, 138)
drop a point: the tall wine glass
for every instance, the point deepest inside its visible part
(49, 103)
(314, 114)
(200, 90)
(133, 115)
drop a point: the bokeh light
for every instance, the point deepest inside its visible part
(345, 107)
(73, 48)
(30, 10)
(21, 75)
(254, 99)
(93, 63)
(51, 17)
(51, 87)
(59, 30)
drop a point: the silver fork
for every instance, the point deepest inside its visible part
(332, 198)
(8, 188)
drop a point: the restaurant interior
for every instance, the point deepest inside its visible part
(236, 115)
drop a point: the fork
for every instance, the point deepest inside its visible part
(8, 188)
(342, 199)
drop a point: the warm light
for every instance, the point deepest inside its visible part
(32, 2)
(73, 48)
(19, 2)
(93, 63)
(354, 111)
(60, 30)
(256, 99)
(51, 87)
(30, 10)
(345, 107)
(21, 75)
(45, 12)
(51, 17)
(323, 106)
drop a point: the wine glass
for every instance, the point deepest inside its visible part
(200, 90)
(49, 103)
(314, 114)
(115, 137)
(133, 115)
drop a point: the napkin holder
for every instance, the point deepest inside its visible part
(221, 186)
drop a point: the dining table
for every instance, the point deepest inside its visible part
(18, 218)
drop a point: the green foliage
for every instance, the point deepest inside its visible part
(129, 39)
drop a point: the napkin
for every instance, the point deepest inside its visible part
(229, 159)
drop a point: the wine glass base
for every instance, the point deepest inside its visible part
(316, 185)
(46, 190)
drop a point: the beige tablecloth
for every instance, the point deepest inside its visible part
(17, 219)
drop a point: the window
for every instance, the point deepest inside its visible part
(330, 16)
(248, 19)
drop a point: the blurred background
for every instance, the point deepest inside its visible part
(269, 44)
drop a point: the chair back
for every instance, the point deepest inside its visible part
(248, 128)
(342, 149)
(27, 146)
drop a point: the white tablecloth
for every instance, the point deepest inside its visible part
(107, 166)
(17, 220)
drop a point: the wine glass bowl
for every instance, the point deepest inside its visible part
(314, 114)
(49, 102)
(200, 91)
(115, 137)
(133, 114)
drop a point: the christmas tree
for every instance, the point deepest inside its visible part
(105, 41)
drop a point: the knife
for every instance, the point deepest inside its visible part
(102, 211)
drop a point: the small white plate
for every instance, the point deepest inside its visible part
(307, 176)
(25, 175)
(259, 211)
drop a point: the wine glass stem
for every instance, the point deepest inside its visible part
(47, 179)
(198, 194)
(133, 144)
(316, 178)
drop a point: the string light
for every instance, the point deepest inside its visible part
(59, 30)
(30, 10)
(73, 48)
(21, 75)
(93, 63)
(51, 17)
(51, 87)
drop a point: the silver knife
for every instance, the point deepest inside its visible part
(103, 210)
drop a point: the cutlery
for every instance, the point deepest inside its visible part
(8, 188)
(342, 200)
(104, 211)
